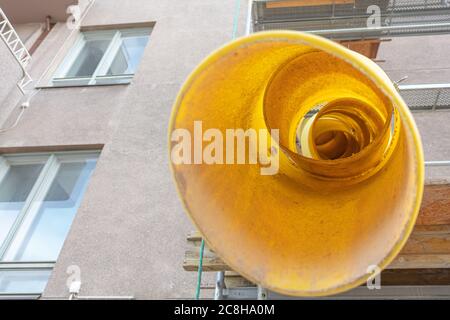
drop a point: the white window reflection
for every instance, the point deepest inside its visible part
(103, 57)
(14, 190)
(23, 281)
(128, 56)
(39, 197)
(88, 59)
(47, 230)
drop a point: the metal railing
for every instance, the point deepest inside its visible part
(416, 292)
(348, 20)
(419, 97)
(16, 47)
(426, 96)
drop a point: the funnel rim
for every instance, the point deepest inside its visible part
(380, 81)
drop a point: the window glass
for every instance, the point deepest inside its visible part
(14, 190)
(88, 59)
(23, 281)
(128, 55)
(47, 201)
(103, 57)
(44, 237)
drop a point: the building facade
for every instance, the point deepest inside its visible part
(85, 187)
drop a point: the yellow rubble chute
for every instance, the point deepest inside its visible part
(350, 180)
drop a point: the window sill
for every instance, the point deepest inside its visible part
(124, 79)
(22, 271)
(82, 85)
(20, 296)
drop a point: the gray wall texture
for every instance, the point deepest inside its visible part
(128, 237)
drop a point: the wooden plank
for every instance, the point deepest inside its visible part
(428, 229)
(415, 277)
(428, 247)
(421, 261)
(435, 240)
(368, 48)
(435, 207)
(194, 236)
(211, 262)
(403, 261)
(235, 280)
(389, 277)
(305, 3)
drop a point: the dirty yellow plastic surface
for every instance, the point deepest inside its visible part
(343, 202)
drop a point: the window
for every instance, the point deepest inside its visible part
(39, 196)
(103, 57)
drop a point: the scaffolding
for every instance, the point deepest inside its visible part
(426, 96)
(348, 20)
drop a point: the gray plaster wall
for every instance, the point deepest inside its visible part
(29, 32)
(424, 59)
(128, 237)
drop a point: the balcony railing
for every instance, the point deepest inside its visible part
(426, 96)
(348, 19)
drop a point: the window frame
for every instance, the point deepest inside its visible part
(114, 36)
(24, 267)
(51, 163)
